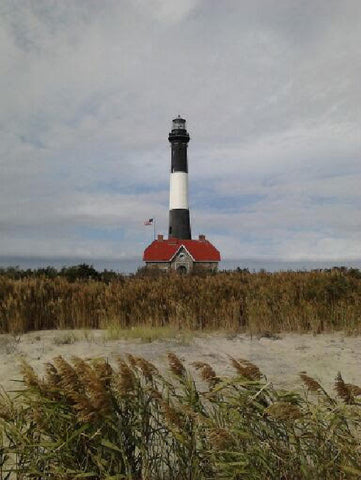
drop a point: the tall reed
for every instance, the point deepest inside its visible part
(129, 421)
(258, 302)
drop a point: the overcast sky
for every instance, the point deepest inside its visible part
(271, 92)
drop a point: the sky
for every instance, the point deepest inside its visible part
(271, 93)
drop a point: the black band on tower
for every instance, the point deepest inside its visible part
(179, 224)
(179, 157)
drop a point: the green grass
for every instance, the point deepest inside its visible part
(67, 338)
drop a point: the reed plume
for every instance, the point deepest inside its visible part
(52, 377)
(208, 374)
(7, 408)
(94, 385)
(125, 379)
(343, 390)
(246, 369)
(30, 378)
(354, 389)
(312, 384)
(147, 368)
(68, 377)
(104, 371)
(175, 365)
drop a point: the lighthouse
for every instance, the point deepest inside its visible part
(179, 221)
(179, 252)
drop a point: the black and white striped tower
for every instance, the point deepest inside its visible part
(179, 222)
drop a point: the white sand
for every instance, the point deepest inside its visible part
(322, 356)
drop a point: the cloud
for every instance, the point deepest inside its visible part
(270, 91)
(165, 11)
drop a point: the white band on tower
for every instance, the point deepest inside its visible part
(178, 195)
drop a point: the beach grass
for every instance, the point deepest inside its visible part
(256, 303)
(90, 419)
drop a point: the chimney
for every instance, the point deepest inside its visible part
(160, 237)
(202, 238)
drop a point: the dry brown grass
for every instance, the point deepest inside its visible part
(235, 301)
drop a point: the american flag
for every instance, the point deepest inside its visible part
(149, 222)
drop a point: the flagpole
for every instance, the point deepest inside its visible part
(153, 228)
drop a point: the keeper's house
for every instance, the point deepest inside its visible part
(181, 255)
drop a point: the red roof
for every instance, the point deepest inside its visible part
(164, 250)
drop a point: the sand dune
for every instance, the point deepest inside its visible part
(280, 359)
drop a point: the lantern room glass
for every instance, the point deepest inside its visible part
(179, 124)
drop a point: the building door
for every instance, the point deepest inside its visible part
(182, 270)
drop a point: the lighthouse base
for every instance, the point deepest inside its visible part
(179, 224)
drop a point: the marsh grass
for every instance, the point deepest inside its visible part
(319, 301)
(130, 421)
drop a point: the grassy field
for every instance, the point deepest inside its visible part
(240, 301)
(92, 420)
